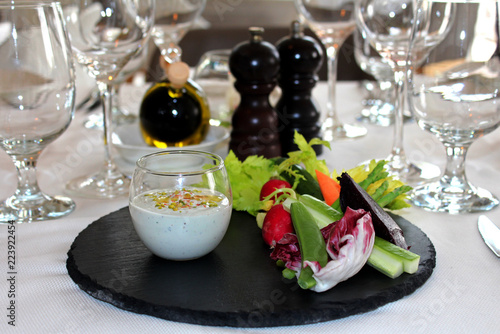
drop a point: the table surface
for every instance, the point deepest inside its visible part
(461, 296)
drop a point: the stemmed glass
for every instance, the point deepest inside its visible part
(387, 24)
(332, 21)
(37, 92)
(455, 95)
(379, 104)
(121, 115)
(105, 35)
(173, 19)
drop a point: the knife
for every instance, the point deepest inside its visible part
(490, 233)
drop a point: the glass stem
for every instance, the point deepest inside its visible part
(27, 188)
(115, 92)
(397, 157)
(454, 174)
(121, 114)
(107, 103)
(331, 52)
(387, 92)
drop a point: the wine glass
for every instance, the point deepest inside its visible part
(173, 19)
(387, 25)
(37, 100)
(455, 95)
(379, 104)
(332, 21)
(121, 115)
(105, 35)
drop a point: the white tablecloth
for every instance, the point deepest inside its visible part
(461, 296)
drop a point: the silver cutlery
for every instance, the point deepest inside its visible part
(490, 233)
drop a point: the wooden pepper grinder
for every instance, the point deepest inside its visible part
(255, 65)
(300, 60)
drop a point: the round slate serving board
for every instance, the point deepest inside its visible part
(236, 285)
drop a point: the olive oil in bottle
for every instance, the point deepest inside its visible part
(174, 112)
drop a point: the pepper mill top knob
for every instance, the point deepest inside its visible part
(254, 61)
(297, 30)
(256, 34)
(300, 55)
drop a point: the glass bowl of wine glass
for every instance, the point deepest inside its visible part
(455, 95)
(105, 36)
(37, 99)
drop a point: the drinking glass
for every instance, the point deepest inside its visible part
(213, 75)
(105, 35)
(37, 99)
(379, 104)
(455, 94)
(387, 25)
(180, 203)
(173, 19)
(121, 115)
(332, 21)
(213, 65)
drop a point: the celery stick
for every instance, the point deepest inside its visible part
(385, 263)
(379, 192)
(386, 199)
(410, 260)
(376, 174)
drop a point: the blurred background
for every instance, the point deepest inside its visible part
(225, 23)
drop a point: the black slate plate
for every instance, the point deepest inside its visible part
(236, 285)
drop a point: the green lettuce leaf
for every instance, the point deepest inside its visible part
(247, 179)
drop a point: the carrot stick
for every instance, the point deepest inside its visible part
(329, 187)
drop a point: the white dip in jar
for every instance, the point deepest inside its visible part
(181, 224)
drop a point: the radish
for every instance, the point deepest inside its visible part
(270, 186)
(276, 224)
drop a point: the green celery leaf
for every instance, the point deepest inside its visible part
(307, 156)
(247, 179)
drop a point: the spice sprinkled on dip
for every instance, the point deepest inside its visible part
(181, 224)
(184, 199)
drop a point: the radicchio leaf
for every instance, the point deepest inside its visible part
(349, 246)
(287, 250)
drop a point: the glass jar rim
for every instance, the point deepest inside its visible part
(141, 163)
